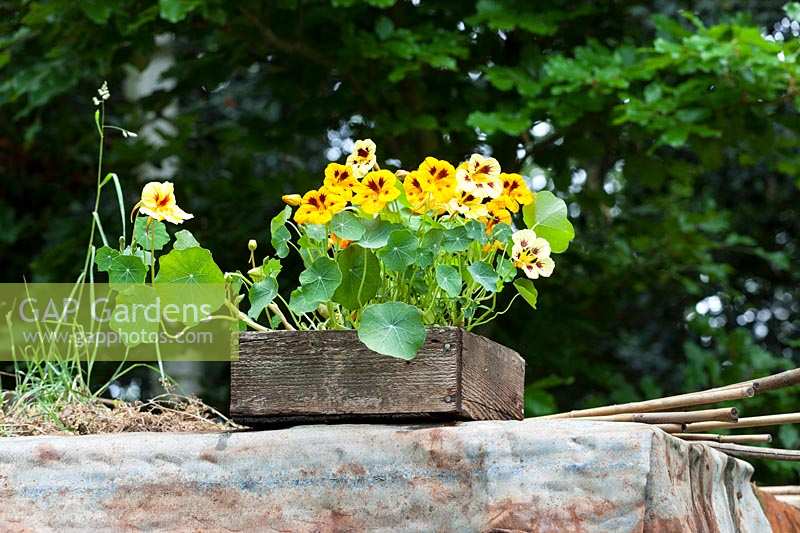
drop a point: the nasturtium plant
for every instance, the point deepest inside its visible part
(389, 253)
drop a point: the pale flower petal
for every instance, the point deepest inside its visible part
(524, 237)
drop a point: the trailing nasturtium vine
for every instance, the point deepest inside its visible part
(389, 253)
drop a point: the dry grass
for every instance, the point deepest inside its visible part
(166, 413)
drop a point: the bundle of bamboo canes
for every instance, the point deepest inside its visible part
(671, 414)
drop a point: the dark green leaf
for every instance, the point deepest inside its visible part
(361, 277)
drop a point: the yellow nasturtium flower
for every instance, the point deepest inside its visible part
(363, 159)
(292, 199)
(318, 207)
(442, 177)
(515, 191)
(480, 176)
(377, 189)
(158, 202)
(419, 191)
(340, 179)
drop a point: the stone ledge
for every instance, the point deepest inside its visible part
(560, 475)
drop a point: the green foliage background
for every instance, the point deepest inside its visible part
(673, 136)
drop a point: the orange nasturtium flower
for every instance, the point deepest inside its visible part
(319, 206)
(515, 191)
(335, 240)
(340, 179)
(158, 202)
(377, 189)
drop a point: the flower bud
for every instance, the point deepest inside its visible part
(252, 245)
(292, 199)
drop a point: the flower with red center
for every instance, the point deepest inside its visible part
(158, 202)
(419, 191)
(340, 179)
(363, 158)
(318, 207)
(377, 189)
(442, 177)
(515, 191)
(532, 254)
(480, 176)
(467, 204)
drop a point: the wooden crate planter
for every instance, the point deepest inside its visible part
(323, 376)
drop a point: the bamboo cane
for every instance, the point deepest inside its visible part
(731, 439)
(671, 428)
(782, 489)
(768, 383)
(662, 404)
(748, 422)
(754, 452)
(727, 414)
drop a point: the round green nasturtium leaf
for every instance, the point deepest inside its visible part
(122, 269)
(394, 329)
(103, 257)
(347, 225)
(432, 239)
(192, 265)
(476, 231)
(424, 258)
(261, 295)
(526, 289)
(547, 216)
(184, 239)
(320, 280)
(136, 315)
(316, 232)
(361, 277)
(502, 232)
(400, 250)
(456, 239)
(484, 275)
(197, 280)
(142, 232)
(300, 301)
(376, 233)
(279, 233)
(449, 280)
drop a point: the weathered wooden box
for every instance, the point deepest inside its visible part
(326, 376)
